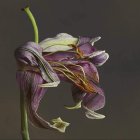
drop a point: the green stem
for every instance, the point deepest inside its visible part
(32, 19)
(24, 119)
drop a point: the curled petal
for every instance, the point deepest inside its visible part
(77, 95)
(77, 106)
(99, 58)
(94, 101)
(29, 58)
(31, 55)
(96, 53)
(58, 43)
(91, 102)
(33, 95)
(93, 40)
(93, 115)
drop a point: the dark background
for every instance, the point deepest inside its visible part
(118, 23)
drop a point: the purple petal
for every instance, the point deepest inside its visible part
(94, 101)
(59, 56)
(86, 49)
(85, 46)
(83, 40)
(100, 59)
(30, 55)
(29, 81)
(77, 94)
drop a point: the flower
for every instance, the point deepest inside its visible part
(33, 75)
(62, 58)
(75, 61)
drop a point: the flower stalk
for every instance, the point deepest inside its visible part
(32, 19)
(24, 118)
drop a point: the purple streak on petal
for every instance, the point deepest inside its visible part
(100, 59)
(94, 101)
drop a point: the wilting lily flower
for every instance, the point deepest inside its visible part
(34, 75)
(75, 60)
(62, 58)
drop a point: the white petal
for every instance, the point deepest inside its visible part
(94, 40)
(53, 84)
(61, 39)
(93, 115)
(60, 125)
(56, 48)
(96, 53)
(77, 106)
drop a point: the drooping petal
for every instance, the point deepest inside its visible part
(99, 58)
(77, 106)
(93, 115)
(33, 94)
(91, 102)
(59, 43)
(94, 101)
(31, 55)
(30, 80)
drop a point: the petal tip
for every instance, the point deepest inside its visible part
(95, 40)
(93, 115)
(60, 125)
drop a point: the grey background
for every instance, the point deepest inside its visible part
(118, 22)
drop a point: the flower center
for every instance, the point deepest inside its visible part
(77, 77)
